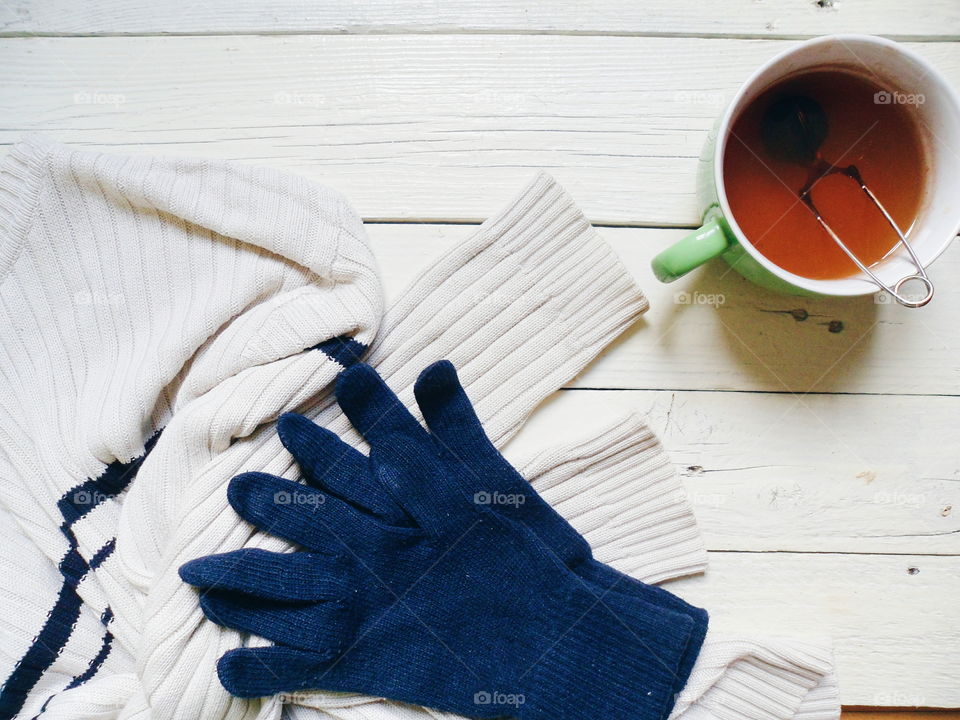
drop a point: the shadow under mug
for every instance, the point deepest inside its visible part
(897, 69)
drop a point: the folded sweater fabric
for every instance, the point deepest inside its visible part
(157, 316)
(140, 295)
(199, 299)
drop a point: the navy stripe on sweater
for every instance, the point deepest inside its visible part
(343, 349)
(74, 504)
(58, 627)
(94, 665)
(100, 657)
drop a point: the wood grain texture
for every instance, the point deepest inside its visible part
(893, 647)
(766, 473)
(414, 127)
(766, 18)
(713, 330)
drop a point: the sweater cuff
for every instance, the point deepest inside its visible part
(520, 307)
(754, 680)
(620, 491)
(20, 173)
(823, 702)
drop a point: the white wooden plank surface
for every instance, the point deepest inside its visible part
(896, 638)
(929, 18)
(753, 339)
(824, 513)
(767, 472)
(438, 127)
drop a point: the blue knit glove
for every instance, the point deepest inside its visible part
(327, 461)
(454, 607)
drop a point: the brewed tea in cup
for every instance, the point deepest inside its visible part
(833, 171)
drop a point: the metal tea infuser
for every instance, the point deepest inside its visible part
(793, 129)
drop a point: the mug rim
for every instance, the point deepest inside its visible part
(846, 286)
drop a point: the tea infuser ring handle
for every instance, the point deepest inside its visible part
(920, 274)
(927, 296)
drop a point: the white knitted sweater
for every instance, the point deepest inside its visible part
(141, 295)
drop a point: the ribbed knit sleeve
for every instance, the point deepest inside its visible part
(822, 702)
(759, 679)
(520, 308)
(620, 491)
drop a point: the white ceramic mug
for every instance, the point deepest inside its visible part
(902, 73)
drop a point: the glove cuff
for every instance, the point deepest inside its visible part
(612, 656)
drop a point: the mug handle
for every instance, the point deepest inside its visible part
(706, 243)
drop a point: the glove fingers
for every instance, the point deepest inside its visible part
(450, 416)
(263, 671)
(291, 577)
(403, 456)
(319, 451)
(317, 627)
(300, 514)
(328, 463)
(373, 408)
(452, 420)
